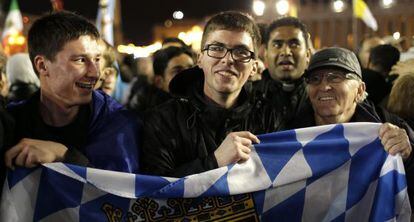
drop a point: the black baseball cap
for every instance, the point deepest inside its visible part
(335, 57)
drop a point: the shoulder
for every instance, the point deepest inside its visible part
(106, 112)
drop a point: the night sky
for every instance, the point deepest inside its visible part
(139, 16)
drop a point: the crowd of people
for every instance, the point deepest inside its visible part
(182, 112)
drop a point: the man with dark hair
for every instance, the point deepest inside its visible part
(207, 125)
(365, 46)
(173, 41)
(66, 120)
(376, 76)
(167, 63)
(280, 94)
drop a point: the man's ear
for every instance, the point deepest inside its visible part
(199, 57)
(158, 81)
(40, 65)
(308, 55)
(255, 67)
(361, 92)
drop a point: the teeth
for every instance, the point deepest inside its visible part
(225, 73)
(326, 98)
(85, 85)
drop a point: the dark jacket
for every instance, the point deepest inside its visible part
(145, 96)
(367, 112)
(276, 103)
(6, 136)
(377, 86)
(6, 126)
(104, 134)
(181, 135)
(21, 91)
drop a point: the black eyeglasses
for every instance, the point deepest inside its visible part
(316, 79)
(239, 54)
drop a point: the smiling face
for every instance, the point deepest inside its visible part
(226, 77)
(334, 102)
(68, 79)
(286, 53)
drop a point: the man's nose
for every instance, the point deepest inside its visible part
(93, 69)
(286, 50)
(325, 84)
(228, 58)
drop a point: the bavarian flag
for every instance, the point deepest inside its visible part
(362, 11)
(12, 37)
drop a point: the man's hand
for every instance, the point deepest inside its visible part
(235, 148)
(395, 140)
(30, 153)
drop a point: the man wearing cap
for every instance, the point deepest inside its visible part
(337, 95)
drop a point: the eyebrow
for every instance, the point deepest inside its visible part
(86, 55)
(288, 40)
(236, 46)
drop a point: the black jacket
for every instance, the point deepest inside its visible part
(377, 86)
(145, 96)
(276, 103)
(21, 91)
(181, 135)
(6, 136)
(367, 112)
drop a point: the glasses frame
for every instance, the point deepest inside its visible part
(248, 59)
(346, 76)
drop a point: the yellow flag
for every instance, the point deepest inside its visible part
(362, 11)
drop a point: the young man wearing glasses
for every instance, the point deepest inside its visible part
(207, 125)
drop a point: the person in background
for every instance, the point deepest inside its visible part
(365, 48)
(22, 78)
(409, 54)
(173, 41)
(206, 126)
(403, 68)
(401, 99)
(377, 76)
(108, 69)
(6, 120)
(67, 120)
(167, 63)
(4, 83)
(280, 94)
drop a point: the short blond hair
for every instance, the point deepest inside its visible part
(401, 100)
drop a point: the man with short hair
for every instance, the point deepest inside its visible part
(167, 63)
(365, 47)
(376, 76)
(280, 94)
(108, 68)
(207, 125)
(66, 120)
(173, 41)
